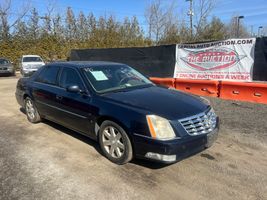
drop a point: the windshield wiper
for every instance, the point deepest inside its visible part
(125, 88)
(116, 89)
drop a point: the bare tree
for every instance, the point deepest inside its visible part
(159, 19)
(33, 24)
(202, 10)
(58, 28)
(49, 27)
(6, 12)
(21, 30)
(233, 26)
(51, 19)
(164, 27)
(82, 27)
(71, 25)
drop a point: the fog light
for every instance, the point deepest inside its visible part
(156, 156)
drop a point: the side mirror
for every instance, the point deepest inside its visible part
(74, 89)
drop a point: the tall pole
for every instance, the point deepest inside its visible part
(191, 18)
(191, 14)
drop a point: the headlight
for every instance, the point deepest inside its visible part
(160, 128)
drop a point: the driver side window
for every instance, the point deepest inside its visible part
(70, 77)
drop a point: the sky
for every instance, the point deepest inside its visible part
(254, 11)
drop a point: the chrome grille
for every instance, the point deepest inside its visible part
(200, 124)
(35, 66)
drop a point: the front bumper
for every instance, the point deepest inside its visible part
(172, 150)
(7, 71)
(28, 72)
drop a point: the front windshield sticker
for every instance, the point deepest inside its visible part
(99, 75)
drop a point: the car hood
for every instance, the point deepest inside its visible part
(171, 104)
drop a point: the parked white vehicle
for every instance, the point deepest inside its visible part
(30, 64)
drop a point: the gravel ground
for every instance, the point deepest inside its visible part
(47, 161)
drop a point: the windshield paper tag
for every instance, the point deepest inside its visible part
(99, 75)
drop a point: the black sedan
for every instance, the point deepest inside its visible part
(117, 106)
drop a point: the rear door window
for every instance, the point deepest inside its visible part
(48, 75)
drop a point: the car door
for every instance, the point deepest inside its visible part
(44, 90)
(75, 108)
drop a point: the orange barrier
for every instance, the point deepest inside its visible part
(252, 92)
(169, 82)
(198, 87)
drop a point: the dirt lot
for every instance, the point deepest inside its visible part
(47, 161)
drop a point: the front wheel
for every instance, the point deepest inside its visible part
(115, 143)
(31, 111)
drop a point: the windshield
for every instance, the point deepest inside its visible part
(32, 59)
(4, 61)
(110, 78)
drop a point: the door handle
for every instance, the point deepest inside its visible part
(59, 98)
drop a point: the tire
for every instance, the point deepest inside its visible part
(115, 143)
(31, 111)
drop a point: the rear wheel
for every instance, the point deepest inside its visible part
(115, 143)
(31, 111)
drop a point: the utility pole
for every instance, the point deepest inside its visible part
(191, 14)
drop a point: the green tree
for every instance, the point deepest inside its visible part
(215, 30)
(171, 35)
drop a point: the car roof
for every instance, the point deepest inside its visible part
(81, 64)
(31, 56)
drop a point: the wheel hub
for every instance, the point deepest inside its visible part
(113, 142)
(30, 109)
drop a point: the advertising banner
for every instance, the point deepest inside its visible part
(231, 59)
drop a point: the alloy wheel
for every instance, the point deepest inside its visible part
(30, 110)
(113, 142)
